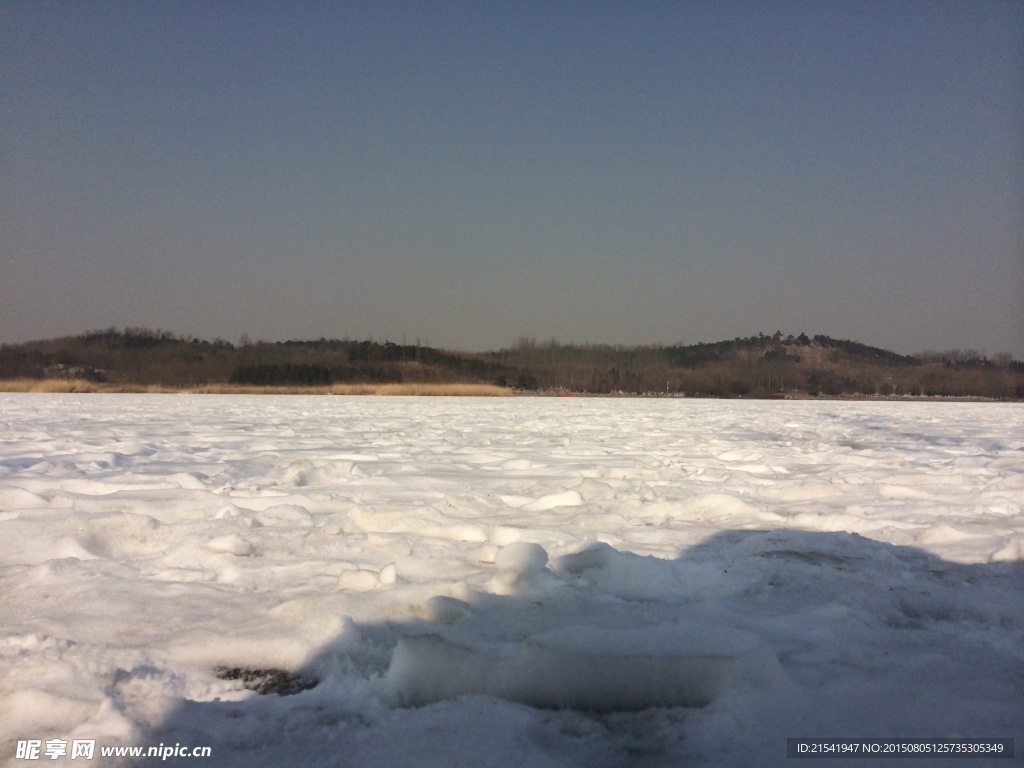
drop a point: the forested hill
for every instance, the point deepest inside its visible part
(757, 366)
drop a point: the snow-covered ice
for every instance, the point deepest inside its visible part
(508, 582)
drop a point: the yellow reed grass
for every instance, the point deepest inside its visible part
(411, 389)
(48, 385)
(444, 390)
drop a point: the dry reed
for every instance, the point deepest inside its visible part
(47, 385)
(411, 389)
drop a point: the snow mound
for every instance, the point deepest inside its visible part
(18, 498)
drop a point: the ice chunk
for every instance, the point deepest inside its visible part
(388, 574)
(584, 667)
(359, 580)
(231, 544)
(553, 500)
(444, 610)
(521, 559)
(943, 534)
(285, 514)
(364, 579)
(1013, 549)
(520, 566)
(504, 535)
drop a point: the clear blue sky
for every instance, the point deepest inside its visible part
(467, 173)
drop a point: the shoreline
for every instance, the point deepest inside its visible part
(428, 389)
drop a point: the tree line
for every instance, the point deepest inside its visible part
(756, 366)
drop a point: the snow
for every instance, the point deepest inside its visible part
(507, 582)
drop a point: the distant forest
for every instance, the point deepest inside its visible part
(763, 366)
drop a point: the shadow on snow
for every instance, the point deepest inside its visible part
(610, 658)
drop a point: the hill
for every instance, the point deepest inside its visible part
(756, 366)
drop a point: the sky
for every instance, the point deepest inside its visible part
(466, 174)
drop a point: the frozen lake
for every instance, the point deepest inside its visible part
(508, 581)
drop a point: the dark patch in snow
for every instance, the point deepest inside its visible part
(266, 681)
